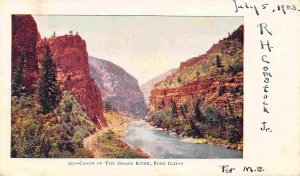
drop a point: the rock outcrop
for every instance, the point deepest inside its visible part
(120, 90)
(149, 85)
(217, 84)
(71, 59)
(24, 41)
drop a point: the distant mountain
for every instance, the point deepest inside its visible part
(148, 86)
(120, 90)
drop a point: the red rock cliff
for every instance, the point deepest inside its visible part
(24, 40)
(71, 58)
(206, 90)
(200, 78)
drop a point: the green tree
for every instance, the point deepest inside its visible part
(218, 62)
(179, 79)
(49, 92)
(213, 116)
(222, 90)
(32, 140)
(186, 108)
(17, 86)
(163, 103)
(229, 69)
(237, 67)
(174, 108)
(198, 113)
(234, 135)
(182, 110)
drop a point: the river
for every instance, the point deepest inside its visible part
(161, 144)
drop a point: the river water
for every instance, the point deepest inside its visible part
(161, 144)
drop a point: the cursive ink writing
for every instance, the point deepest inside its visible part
(258, 8)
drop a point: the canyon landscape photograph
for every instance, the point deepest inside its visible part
(127, 87)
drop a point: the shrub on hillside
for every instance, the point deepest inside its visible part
(56, 134)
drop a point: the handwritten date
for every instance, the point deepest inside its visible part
(258, 8)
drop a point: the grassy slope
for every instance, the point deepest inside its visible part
(205, 68)
(108, 143)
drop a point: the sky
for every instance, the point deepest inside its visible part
(145, 46)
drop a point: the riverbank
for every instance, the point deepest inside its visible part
(166, 145)
(215, 141)
(206, 140)
(195, 140)
(109, 143)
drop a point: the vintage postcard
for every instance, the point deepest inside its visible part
(198, 88)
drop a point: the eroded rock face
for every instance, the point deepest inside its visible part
(217, 85)
(207, 90)
(119, 89)
(71, 59)
(149, 85)
(24, 41)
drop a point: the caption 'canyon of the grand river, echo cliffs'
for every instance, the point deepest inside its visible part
(68, 102)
